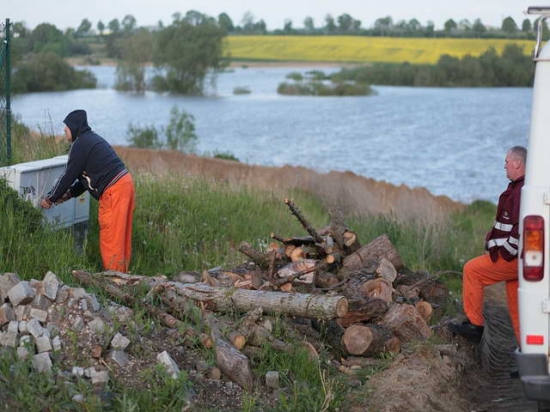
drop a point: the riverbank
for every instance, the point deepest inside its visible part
(356, 195)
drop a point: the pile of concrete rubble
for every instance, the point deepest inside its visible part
(50, 323)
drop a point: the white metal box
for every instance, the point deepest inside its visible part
(33, 180)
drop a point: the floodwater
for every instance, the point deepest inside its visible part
(451, 141)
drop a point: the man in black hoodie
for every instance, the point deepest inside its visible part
(94, 166)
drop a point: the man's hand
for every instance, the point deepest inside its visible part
(46, 203)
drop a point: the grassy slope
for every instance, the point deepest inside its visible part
(358, 49)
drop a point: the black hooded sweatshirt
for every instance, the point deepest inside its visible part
(93, 165)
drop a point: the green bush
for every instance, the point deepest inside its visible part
(178, 135)
(44, 72)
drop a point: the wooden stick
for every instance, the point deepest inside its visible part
(255, 255)
(307, 226)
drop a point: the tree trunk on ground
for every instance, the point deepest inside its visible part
(232, 362)
(364, 340)
(241, 300)
(378, 288)
(386, 270)
(362, 310)
(381, 247)
(406, 323)
(425, 309)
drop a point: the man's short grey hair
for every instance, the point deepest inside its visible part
(519, 153)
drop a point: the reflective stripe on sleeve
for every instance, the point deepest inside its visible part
(496, 242)
(505, 227)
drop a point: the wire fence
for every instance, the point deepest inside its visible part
(5, 105)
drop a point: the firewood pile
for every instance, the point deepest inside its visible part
(363, 295)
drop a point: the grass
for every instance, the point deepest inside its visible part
(359, 49)
(190, 224)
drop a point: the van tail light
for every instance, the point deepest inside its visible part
(533, 248)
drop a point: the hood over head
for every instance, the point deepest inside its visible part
(77, 122)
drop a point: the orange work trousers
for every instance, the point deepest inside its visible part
(482, 271)
(116, 211)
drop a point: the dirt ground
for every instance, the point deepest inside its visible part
(456, 376)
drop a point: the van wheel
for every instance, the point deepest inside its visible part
(543, 406)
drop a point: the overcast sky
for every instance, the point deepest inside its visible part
(69, 13)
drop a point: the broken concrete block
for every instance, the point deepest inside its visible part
(21, 294)
(56, 343)
(94, 303)
(62, 294)
(42, 362)
(78, 293)
(78, 371)
(41, 302)
(118, 356)
(272, 379)
(6, 314)
(172, 368)
(35, 328)
(43, 344)
(120, 342)
(51, 285)
(7, 281)
(39, 314)
(22, 312)
(99, 377)
(11, 336)
(97, 326)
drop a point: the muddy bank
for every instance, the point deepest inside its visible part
(356, 195)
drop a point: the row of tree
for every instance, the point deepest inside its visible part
(511, 69)
(344, 24)
(183, 53)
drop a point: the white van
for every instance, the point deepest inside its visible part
(534, 262)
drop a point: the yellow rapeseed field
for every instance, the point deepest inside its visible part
(359, 49)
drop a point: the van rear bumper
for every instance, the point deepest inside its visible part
(533, 371)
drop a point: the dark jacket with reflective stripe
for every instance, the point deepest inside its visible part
(503, 239)
(93, 165)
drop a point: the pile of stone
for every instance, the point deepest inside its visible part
(51, 323)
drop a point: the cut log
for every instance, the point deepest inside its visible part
(393, 345)
(232, 362)
(326, 280)
(294, 240)
(333, 258)
(237, 339)
(337, 227)
(255, 255)
(364, 340)
(406, 323)
(363, 310)
(373, 251)
(386, 270)
(242, 300)
(425, 309)
(298, 253)
(351, 242)
(378, 288)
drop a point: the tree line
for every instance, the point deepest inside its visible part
(511, 69)
(345, 24)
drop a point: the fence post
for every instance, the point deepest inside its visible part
(8, 92)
